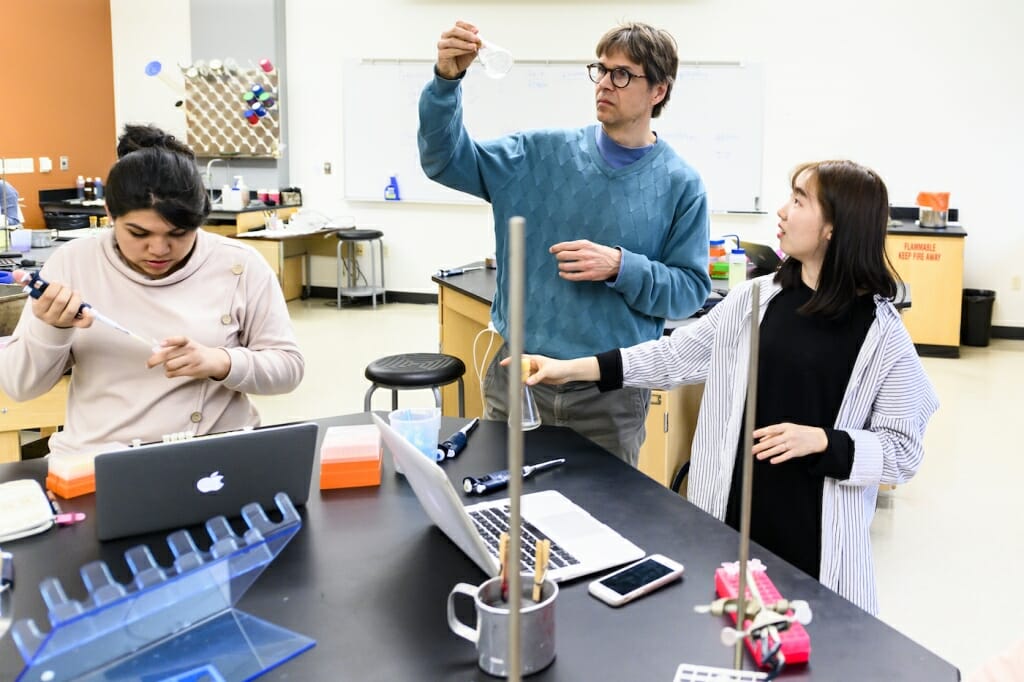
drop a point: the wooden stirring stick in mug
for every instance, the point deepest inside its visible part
(503, 564)
(540, 567)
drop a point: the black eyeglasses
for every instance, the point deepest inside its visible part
(620, 76)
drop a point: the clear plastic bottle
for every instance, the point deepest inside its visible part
(80, 187)
(737, 267)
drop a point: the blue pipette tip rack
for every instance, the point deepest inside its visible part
(170, 623)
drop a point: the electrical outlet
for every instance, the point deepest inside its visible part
(327, 167)
(1015, 283)
(63, 163)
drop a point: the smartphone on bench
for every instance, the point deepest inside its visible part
(637, 579)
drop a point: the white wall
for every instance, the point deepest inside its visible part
(930, 96)
(143, 32)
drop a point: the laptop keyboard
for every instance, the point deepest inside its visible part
(493, 521)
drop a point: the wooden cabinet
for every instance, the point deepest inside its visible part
(671, 420)
(45, 412)
(288, 259)
(931, 262)
(671, 423)
(461, 318)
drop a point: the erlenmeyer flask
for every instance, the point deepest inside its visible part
(497, 61)
(531, 417)
(530, 414)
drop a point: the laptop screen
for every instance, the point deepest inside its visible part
(171, 485)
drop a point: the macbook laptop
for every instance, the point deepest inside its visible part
(183, 483)
(764, 257)
(580, 544)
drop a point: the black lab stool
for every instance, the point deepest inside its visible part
(349, 285)
(410, 371)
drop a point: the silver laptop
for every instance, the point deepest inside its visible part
(581, 544)
(172, 485)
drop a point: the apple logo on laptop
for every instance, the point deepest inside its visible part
(211, 483)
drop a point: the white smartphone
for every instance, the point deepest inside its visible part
(636, 580)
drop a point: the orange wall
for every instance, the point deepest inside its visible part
(57, 76)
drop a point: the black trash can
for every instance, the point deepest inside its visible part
(976, 317)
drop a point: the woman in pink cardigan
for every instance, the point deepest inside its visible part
(212, 306)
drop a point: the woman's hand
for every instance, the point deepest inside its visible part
(457, 49)
(544, 370)
(183, 357)
(781, 442)
(58, 305)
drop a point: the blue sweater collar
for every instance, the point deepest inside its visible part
(648, 154)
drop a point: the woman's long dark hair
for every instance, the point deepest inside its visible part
(855, 201)
(156, 171)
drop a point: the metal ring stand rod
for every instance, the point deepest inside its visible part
(748, 468)
(517, 273)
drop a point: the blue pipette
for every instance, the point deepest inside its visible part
(37, 285)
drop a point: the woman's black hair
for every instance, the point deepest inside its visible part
(855, 201)
(156, 171)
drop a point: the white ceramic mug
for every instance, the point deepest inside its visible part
(537, 625)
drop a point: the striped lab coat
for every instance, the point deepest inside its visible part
(885, 409)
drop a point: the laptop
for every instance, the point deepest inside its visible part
(764, 257)
(184, 483)
(580, 544)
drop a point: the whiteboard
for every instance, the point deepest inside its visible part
(713, 120)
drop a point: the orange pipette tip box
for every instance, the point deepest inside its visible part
(350, 457)
(68, 488)
(71, 475)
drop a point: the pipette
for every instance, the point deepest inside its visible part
(451, 272)
(499, 479)
(36, 285)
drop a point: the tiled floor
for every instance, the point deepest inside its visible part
(947, 545)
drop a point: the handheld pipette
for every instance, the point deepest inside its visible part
(450, 272)
(499, 479)
(37, 285)
(456, 442)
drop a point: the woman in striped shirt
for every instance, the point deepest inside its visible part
(842, 402)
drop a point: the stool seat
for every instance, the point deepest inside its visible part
(415, 370)
(359, 234)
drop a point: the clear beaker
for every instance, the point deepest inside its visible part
(497, 61)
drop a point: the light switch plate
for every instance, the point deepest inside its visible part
(45, 164)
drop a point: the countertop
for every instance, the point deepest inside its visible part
(911, 228)
(481, 285)
(99, 209)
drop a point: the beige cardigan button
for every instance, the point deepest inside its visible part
(225, 319)
(196, 417)
(237, 268)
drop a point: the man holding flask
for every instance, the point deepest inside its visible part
(617, 223)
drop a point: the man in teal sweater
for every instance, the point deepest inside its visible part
(616, 222)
